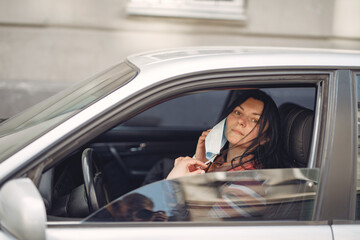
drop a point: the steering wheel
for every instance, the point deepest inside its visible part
(94, 187)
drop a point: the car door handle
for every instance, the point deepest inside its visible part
(139, 148)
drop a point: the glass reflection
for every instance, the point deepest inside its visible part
(267, 194)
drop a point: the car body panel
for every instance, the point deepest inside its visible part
(346, 231)
(244, 57)
(195, 231)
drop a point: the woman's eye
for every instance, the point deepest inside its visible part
(237, 112)
(255, 120)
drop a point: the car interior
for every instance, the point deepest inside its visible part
(142, 150)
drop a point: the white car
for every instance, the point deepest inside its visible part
(71, 164)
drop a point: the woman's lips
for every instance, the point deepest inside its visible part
(237, 132)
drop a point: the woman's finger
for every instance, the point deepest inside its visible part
(192, 161)
(198, 171)
(204, 133)
(176, 162)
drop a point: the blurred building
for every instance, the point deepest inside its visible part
(47, 45)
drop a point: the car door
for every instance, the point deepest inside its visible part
(317, 86)
(278, 205)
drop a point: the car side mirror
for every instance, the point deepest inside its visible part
(22, 210)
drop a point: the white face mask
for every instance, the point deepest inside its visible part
(215, 141)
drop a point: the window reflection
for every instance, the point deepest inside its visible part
(134, 207)
(272, 194)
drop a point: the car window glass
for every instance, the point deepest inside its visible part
(182, 111)
(358, 155)
(138, 154)
(273, 194)
(71, 99)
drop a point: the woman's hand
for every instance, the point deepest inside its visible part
(160, 216)
(200, 153)
(186, 166)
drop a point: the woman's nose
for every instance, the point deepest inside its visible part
(242, 121)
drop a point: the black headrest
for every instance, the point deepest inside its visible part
(297, 123)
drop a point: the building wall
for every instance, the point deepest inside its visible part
(46, 45)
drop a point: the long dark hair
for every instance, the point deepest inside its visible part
(262, 155)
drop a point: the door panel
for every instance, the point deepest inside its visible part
(260, 232)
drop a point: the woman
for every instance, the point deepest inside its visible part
(252, 134)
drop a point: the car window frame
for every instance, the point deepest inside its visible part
(234, 81)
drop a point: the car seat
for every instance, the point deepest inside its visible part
(297, 126)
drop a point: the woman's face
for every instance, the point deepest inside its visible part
(241, 123)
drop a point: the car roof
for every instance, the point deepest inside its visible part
(194, 59)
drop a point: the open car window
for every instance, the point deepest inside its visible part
(134, 157)
(272, 194)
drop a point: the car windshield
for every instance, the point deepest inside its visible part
(44, 116)
(266, 194)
